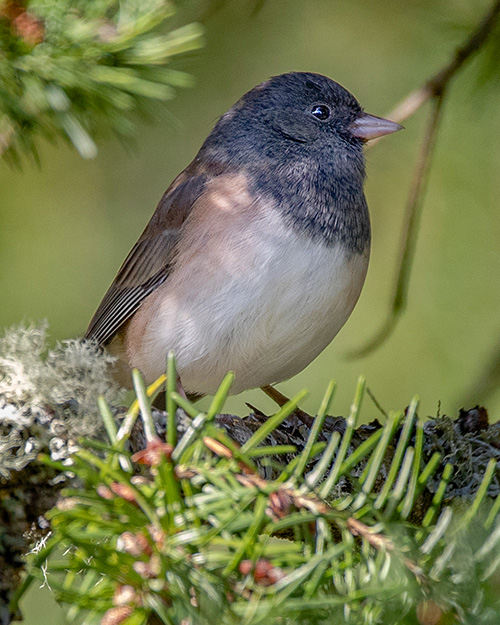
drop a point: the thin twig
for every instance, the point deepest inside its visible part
(380, 542)
(433, 90)
(435, 85)
(375, 401)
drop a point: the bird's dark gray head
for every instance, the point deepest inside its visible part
(299, 138)
(291, 115)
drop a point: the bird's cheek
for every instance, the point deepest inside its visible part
(296, 128)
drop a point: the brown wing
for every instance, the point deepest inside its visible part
(149, 263)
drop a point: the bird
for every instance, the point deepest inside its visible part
(257, 252)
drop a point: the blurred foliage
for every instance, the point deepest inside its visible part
(189, 532)
(68, 66)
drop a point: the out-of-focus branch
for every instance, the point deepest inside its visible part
(437, 84)
(110, 67)
(435, 90)
(410, 230)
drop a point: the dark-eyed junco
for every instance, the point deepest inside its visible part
(257, 252)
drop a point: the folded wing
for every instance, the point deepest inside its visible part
(150, 261)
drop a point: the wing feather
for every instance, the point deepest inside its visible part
(150, 261)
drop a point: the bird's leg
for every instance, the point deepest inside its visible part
(192, 397)
(180, 388)
(281, 400)
(275, 395)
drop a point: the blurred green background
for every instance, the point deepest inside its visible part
(66, 227)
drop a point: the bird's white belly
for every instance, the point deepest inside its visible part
(263, 305)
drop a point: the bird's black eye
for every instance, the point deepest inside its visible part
(320, 111)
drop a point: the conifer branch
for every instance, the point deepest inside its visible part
(359, 509)
(70, 68)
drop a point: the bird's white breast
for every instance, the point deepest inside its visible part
(263, 302)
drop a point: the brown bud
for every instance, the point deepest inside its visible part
(154, 453)
(429, 613)
(184, 474)
(148, 570)
(134, 544)
(104, 492)
(125, 491)
(217, 447)
(125, 595)
(157, 534)
(115, 616)
(261, 571)
(264, 573)
(279, 503)
(246, 567)
(29, 28)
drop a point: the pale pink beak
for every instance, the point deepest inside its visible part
(368, 127)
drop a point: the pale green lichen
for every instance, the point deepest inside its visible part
(48, 397)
